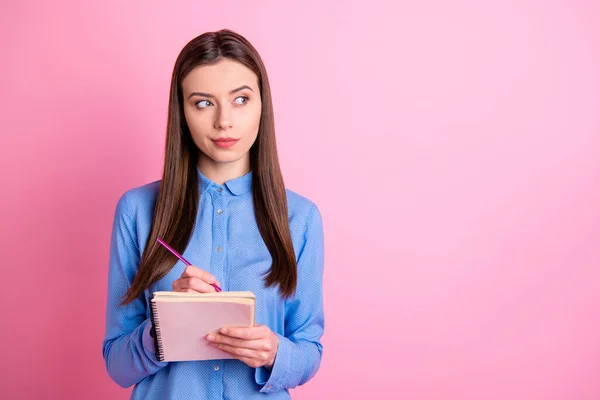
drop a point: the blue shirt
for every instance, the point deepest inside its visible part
(225, 241)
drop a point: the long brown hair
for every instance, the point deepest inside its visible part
(178, 197)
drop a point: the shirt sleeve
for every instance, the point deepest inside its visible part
(128, 348)
(300, 350)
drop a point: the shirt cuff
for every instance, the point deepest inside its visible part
(279, 377)
(148, 340)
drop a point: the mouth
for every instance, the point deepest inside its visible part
(225, 142)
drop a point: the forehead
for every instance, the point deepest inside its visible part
(219, 78)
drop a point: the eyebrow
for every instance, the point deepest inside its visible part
(212, 97)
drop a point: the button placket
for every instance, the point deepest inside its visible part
(217, 267)
(219, 222)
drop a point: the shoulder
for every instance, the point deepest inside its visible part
(306, 229)
(138, 201)
(304, 214)
(299, 204)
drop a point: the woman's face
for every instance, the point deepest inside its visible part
(222, 107)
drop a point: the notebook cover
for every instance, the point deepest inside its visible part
(182, 328)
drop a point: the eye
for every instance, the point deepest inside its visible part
(203, 103)
(243, 101)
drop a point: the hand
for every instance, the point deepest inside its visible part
(193, 279)
(256, 346)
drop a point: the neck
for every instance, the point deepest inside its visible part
(220, 173)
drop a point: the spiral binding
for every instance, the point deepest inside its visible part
(159, 342)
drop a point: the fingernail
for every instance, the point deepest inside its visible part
(211, 279)
(223, 331)
(210, 338)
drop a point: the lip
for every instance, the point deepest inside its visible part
(225, 142)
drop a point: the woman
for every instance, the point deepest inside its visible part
(222, 203)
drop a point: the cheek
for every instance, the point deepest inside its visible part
(198, 124)
(252, 122)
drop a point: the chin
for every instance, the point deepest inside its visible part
(223, 158)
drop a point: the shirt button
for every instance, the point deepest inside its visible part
(269, 387)
(219, 211)
(219, 190)
(219, 248)
(216, 367)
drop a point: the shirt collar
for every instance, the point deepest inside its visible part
(236, 186)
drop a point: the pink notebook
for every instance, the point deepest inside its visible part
(183, 320)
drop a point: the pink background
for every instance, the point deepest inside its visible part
(453, 148)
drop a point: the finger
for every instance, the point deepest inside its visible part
(251, 362)
(241, 352)
(258, 344)
(247, 333)
(192, 283)
(178, 287)
(206, 276)
(184, 290)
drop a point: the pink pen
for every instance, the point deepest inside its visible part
(186, 262)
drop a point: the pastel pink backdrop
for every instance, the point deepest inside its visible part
(453, 148)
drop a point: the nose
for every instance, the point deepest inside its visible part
(224, 118)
